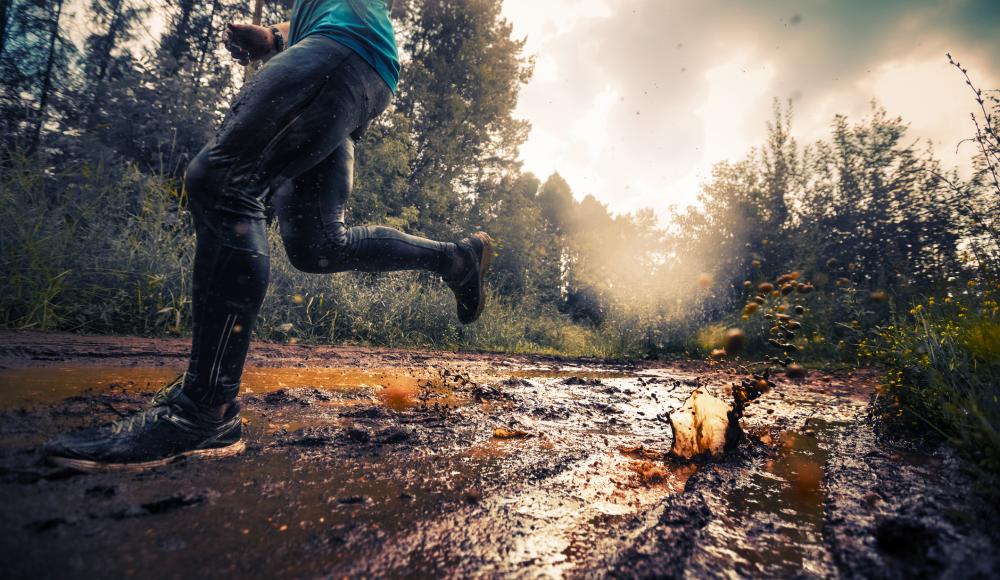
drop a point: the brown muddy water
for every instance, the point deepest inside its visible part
(398, 471)
(46, 385)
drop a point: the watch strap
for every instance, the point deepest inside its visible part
(279, 39)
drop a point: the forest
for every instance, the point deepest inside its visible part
(104, 102)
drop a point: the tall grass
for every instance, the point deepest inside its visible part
(92, 248)
(108, 249)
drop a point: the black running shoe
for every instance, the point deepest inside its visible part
(163, 433)
(470, 293)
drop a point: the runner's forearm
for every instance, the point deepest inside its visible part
(285, 28)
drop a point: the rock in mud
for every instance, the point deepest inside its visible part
(372, 412)
(310, 437)
(582, 381)
(163, 505)
(303, 397)
(350, 436)
(704, 425)
(392, 435)
(482, 393)
(505, 433)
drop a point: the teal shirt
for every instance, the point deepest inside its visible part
(361, 25)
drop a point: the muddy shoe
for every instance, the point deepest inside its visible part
(470, 294)
(158, 435)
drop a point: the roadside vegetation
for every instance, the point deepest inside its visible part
(901, 254)
(942, 353)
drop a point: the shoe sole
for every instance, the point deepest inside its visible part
(484, 264)
(98, 467)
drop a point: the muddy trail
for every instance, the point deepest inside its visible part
(391, 463)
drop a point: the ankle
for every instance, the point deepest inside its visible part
(455, 263)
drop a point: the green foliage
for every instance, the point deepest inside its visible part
(943, 359)
(111, 253)
(36, 80)
(463, 75)
(943, 362)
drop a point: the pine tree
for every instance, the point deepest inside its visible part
(35, 73)
(105, 58)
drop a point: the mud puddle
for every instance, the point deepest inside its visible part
(449, 467)
(46, 385)
(770, 522)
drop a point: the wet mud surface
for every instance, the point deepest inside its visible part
(388, 463)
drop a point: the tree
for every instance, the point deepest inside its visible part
(115, 20)
(458, 92)
(177, 98)
(35, 72)
(47, 80)
(512, 215)
(863, 205)
(881, 206)
(4, 8)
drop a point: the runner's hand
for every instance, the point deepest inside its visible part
(248, 42)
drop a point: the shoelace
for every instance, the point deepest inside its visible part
(140, 419)
(167, 392)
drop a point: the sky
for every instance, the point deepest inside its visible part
(634, 101)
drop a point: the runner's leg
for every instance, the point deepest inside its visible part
(311, 211)
(295, 112)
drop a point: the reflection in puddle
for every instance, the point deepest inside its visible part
(570, 515)
(771, 522)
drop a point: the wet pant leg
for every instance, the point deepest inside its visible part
(311, 212)
(292, 115)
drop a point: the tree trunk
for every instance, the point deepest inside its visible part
(43, 99)
(206, 46)
(110, 39)
(4, 8)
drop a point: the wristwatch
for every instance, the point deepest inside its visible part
(279, 40)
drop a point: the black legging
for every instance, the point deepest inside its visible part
(291, 131)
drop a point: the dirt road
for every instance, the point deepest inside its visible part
(377, 462)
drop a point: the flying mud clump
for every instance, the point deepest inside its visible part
(708, 426)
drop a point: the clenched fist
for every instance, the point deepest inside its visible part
(248, 42)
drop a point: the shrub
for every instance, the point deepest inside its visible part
(943, 373)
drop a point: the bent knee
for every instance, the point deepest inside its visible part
(311, 259)
(308, 262)
(300, 254)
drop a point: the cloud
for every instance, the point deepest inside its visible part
(694, 81)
